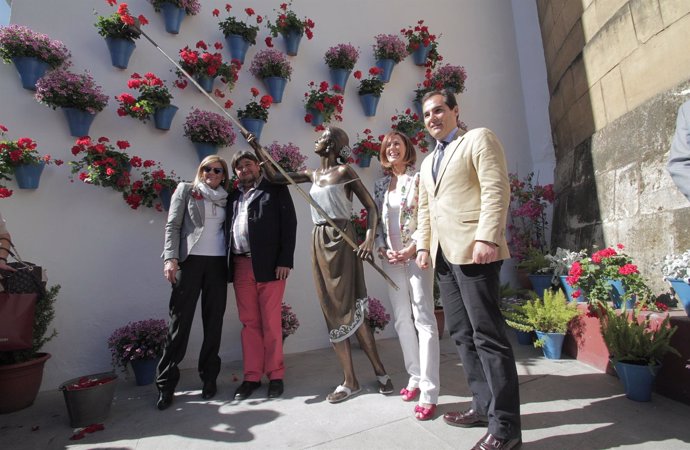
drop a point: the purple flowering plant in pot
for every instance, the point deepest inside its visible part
(209, 127)
(138, 340)
(63, 89)
(288, 156)
(377, 317)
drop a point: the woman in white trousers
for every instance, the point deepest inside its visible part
(396, 196)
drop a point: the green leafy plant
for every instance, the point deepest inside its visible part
(372, 85)
(325, 100)
(117, 25)
(411, 125)
(418, 35)
(101, 164)
(254, 109)
(632, 341)
(232, 25)
(535, 262)
(549, 315)
(152, 95)
(287, 20)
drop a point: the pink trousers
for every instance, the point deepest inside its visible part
(259, 307)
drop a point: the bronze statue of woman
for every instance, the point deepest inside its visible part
(338, 271)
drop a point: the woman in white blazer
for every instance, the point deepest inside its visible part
(396, 196)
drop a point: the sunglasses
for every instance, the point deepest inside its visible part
(216, 170)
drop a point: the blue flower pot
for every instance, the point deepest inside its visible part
(637, 380)
(339, 77)
(618, 297)
(569, 290)
(205, 82)
(28, 175)
(144, 370)
(364, 160)
(386, 66)
(254, 126)
(162, 117)
(682, 289)
(316, 116)
(238, 46)
(275, 87)
(30, 69)
(79, 121)
(540, 283)
(553, 344)
(172, 15)
(419, 56)
(165, 195)
(417, 107)
(369, 104)
(292, 39)
(523, 337)
(120, 51)
(204, 149)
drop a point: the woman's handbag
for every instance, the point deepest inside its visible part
(22, 290)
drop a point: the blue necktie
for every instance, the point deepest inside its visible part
(438, 156)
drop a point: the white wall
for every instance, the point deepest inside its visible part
(107, 256)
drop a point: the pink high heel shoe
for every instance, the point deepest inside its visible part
(409, 394)
(422, 413)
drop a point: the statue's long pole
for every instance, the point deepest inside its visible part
(268, 156)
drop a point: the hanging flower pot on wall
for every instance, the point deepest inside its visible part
(238, 46)
(28, 175)
(339, 77)
(30, 69)
(204, 149)
(292, 39)
(254, 126)
(316, 116)
(275, 87)
(386, 66)
(364, 160)
(120, 51)
(173, 16)
(420, 54)
(369, 103)
(165, 195)
(162, 117)
(205, 82)
(79, 121)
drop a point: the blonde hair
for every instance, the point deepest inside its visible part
(210, 159)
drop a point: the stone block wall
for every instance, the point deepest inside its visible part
(617, 72)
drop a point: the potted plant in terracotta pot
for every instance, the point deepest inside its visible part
(21, 158)
(77, 94)
(32, 53)
(636, 348)
(21, 371)
(140, 345)
(119, 34)
(153, 100)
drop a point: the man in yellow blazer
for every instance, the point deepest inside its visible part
(463, 204)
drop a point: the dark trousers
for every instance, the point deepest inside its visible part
(198, 274)
(470, 294)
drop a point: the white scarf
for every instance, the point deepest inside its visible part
(217, 197)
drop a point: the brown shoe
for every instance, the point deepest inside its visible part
(465, 419)
(491, 442)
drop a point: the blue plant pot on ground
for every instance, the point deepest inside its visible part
(172, 15)
(637, 380)
(618, 296)
(540, 283)
(205, 82)
(30, 69)
(682, 292)
(386, 66)
(144, 370)
(523, 337)
(162, 117)
(339, 77)
(569, 290)
(369, 103)
(275, 87)
(204, 149)
(120, 51)
(79, 121)
(419, 55)
(238, 46)
(292, 39)
(28, 175)
(165, 195)
(553, 344)
(254, 126)
(316, 116)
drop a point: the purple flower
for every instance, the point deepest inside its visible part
(288, 156)
(270, 63)
(191, 7)
(390, 46)
(450, 77)
(342, 56)
(137, 340)
(209, 127)
(17, 40)
(60, 88)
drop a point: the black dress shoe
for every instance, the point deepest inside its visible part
(275, 388)
(246, 389)
(466, 419)
(165, 399)
(491, 442)
(209, 390)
